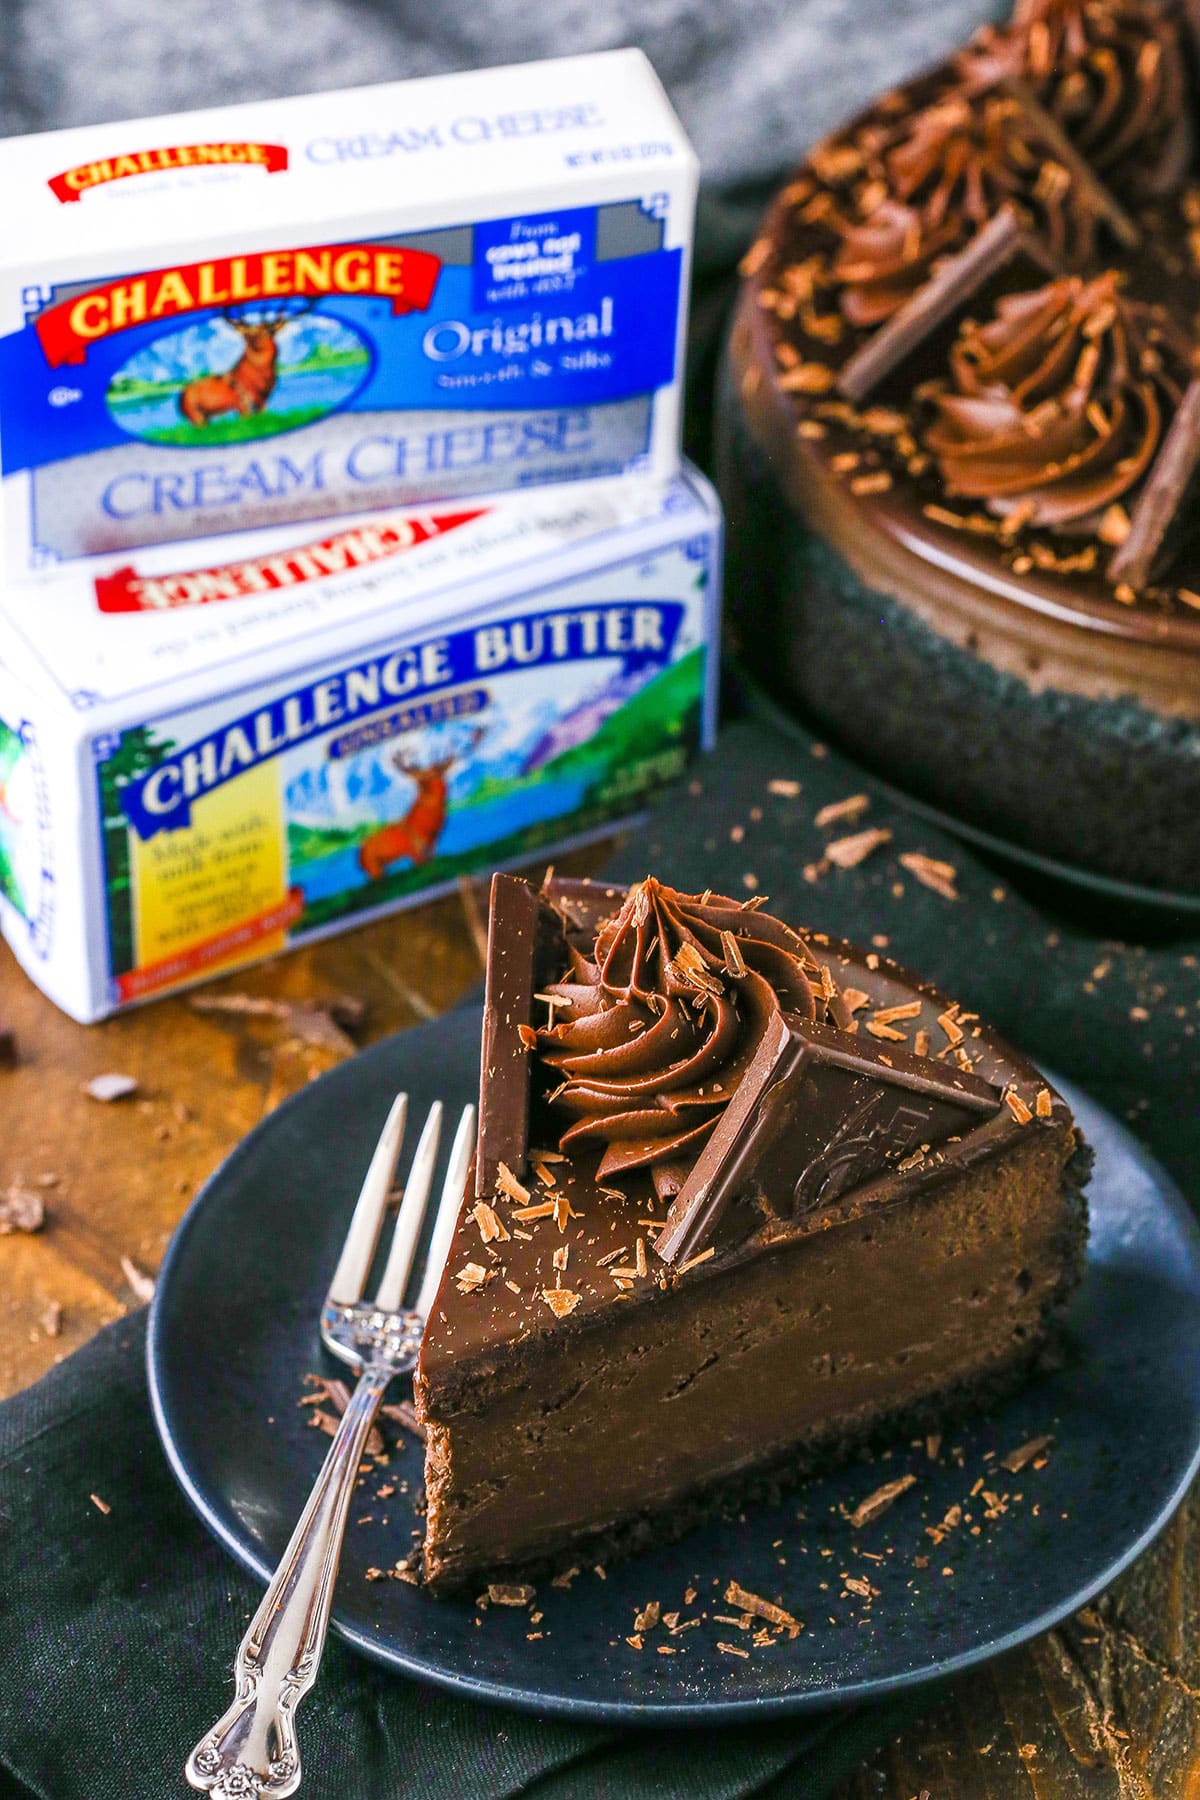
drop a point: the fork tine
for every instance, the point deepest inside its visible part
(453, 1189)
(349, 1278)
(412, 1214)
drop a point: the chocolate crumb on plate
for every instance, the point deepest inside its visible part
(1027, 1453)
(879, 1502)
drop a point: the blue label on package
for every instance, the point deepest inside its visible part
(637, 637)
(143, 406)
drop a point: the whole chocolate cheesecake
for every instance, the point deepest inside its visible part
(959, 431)
(743, 1200)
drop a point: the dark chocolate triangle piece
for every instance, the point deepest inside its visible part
(1162, 495)
(950, 285)
(818, 1114)
(1046, 128)
(526, 949)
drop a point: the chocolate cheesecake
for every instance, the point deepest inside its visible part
(743, 1200)
(960, 430)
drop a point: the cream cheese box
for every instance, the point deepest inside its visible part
(293, 309)
(205, 761)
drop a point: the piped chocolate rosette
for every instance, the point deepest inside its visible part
(660, 1019)
(1058, 404)
(1111, 75)
(933, 184)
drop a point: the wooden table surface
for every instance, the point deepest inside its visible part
(1108, 1706)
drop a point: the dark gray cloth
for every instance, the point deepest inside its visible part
(754, 80)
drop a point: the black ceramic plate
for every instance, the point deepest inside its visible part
(1103, 892)
(232, 1332)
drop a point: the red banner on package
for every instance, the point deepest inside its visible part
(405, 277)
(125, 591)
(72, 183)
(138, 983)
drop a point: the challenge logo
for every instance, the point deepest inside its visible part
(405, 277)
(73, 183)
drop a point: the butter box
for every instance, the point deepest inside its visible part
(202, 763)
(291, 309)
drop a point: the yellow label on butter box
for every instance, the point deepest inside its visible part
(215, 893)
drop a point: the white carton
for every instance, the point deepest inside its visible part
(291, 309)
(201, 764)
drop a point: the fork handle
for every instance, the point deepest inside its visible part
(252, 1750)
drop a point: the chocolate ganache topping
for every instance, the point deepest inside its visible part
(1059, 402)
(932, 183)
(1110, 72)
(663, 1016)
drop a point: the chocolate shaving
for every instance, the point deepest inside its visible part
(841, 809)
(337, 1393)
(404, 1414)
(318, 1023)
(931, 873)
(848, 852)
(504, 1593)
(1018, 1459)
(8, 1047)
(1162, 494)
(507, 1183)
(561, 1301)
(735, 1595)
(879, 1501)
(952, 283)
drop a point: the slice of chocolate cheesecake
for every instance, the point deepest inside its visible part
(742, 1201)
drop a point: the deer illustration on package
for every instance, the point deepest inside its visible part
(247, 386)
(415, 836)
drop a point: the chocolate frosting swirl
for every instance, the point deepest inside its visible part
(1111, 72)
(663, 1017)
(947, 170)
(1060, 402)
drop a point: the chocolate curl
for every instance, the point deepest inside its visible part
(1159, 500)
(1050, 134)
(954, 281)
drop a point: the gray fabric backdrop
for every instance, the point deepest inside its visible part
(754, 80)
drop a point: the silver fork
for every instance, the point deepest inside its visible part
(251, 1753)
